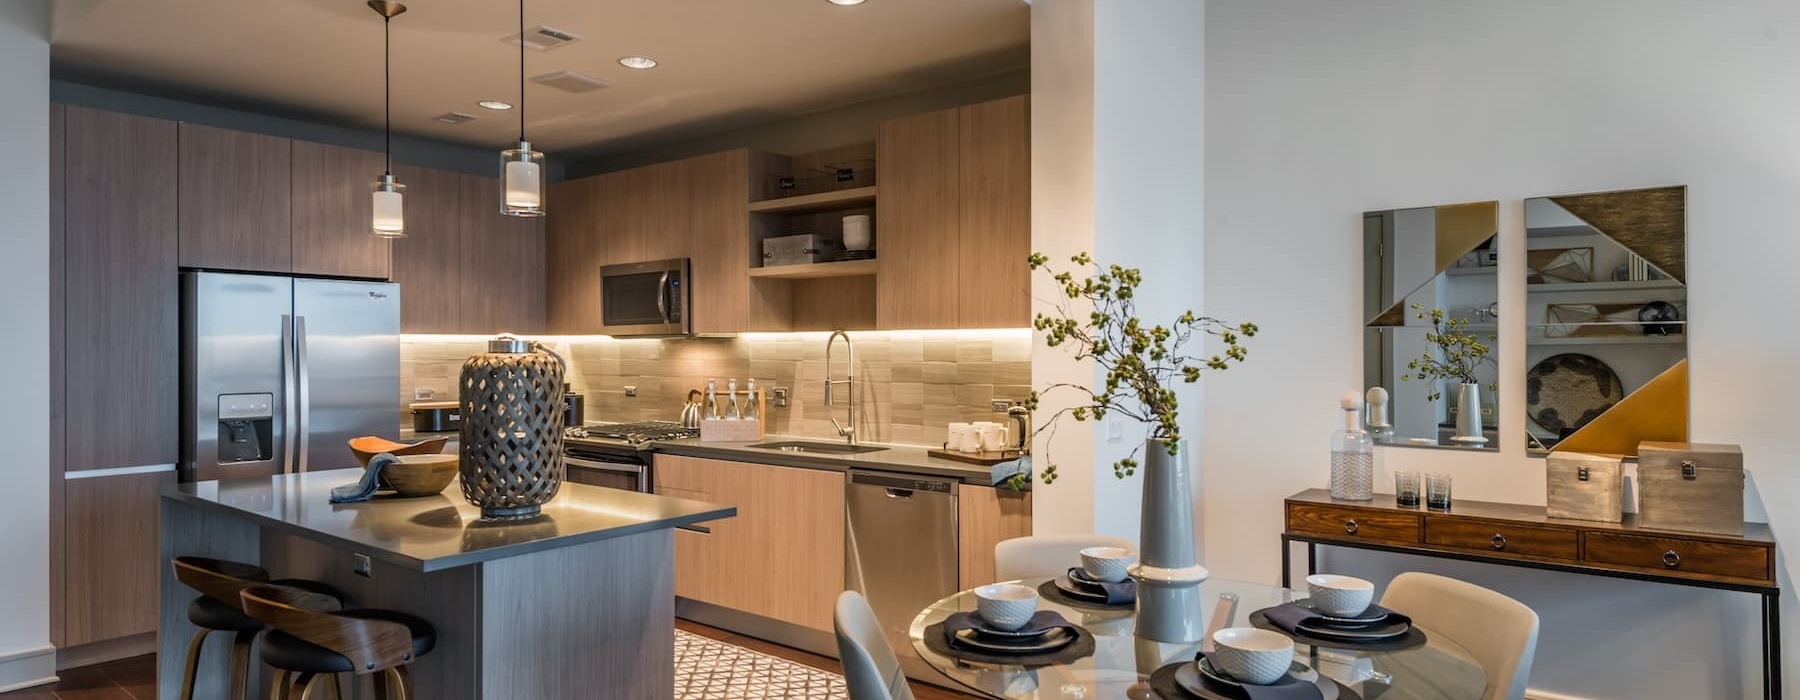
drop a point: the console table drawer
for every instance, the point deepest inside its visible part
(1502, 538)
(1352, 523)
(1672, 555)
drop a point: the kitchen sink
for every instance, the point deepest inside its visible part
(830, 448)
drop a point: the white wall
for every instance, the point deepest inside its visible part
(25, 654)
(1321, 110)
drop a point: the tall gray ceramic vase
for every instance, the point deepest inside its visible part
(1168, 573)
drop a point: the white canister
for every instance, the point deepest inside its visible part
(858, 234)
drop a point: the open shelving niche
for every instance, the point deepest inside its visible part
(820, 296)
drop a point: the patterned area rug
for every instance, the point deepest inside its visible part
(708, 669)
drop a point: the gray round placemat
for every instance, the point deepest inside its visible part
(1566, 391)
(1050, 592)
(1082, 647)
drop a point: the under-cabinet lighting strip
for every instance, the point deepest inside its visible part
(965, 333)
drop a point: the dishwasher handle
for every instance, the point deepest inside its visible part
(903, 486)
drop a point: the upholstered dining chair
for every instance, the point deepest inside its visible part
(870, 667)
(1500, 632)
(1046, 555)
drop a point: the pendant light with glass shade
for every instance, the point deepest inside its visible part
(387, 196)
(522, 169)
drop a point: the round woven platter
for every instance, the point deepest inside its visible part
(1566, 391)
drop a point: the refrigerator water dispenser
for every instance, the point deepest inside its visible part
(246, 427)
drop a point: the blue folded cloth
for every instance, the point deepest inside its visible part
(364, 488)
(1116, 593)
(1043, 621)
(1288, 616)
(1288, 688)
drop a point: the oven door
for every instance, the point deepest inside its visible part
(601, 471)
(645, 299)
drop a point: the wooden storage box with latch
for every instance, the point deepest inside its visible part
(1585, 487)
(1691, 487)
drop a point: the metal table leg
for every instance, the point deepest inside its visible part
(1285, 555)
(1771, 609)
(1312, 559)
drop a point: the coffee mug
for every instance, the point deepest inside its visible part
(963, 438)
(992, 436)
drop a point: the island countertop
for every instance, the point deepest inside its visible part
(437, 532)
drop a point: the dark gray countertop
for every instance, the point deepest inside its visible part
(903, 459)
(442, 531)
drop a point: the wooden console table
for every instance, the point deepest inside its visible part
(1516, 535)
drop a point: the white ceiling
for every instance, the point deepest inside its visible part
(724, 63)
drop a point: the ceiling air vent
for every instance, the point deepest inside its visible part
(543, 38)
(454, 118)
(569, 81)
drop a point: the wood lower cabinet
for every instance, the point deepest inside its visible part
(987, 515)
(782, 557)
(333, 212)
(119, 296)
(110, 556)
(235, 190)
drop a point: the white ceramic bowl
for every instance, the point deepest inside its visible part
(1339, 595)
(1006, 606)
(1250, 655)
(1107, 564)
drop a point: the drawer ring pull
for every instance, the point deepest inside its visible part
(1499, 541)
(1350, 526)
(1671, 559)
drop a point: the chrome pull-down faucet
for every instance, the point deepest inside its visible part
(847, 432)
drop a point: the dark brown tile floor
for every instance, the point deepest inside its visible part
(135, 678)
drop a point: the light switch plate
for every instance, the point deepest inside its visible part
(779, 396)
(631, 390)
(423, 394)
(1000, 405)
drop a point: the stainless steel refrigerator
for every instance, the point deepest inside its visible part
(279, 372)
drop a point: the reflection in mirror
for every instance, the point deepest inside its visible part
(1437, 371)
(1605, 315)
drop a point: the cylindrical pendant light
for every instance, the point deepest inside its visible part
(522, 169)
(387, 197)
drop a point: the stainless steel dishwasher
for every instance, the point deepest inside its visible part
(900, 548)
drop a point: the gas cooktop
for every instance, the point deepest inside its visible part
(634, 434)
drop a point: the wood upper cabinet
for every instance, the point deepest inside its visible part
(994, 282)
(719, 241)
(333, 212)
(573, 254)
(501, 274)
(121, 295)
(789, 529)
(234, 190)
(426, 261)
(661, 220)
(918, 221)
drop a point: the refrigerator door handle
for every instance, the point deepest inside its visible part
(304, 382)
(289, 416)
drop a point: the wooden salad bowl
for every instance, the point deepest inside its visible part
(368, 446)
(421, 475)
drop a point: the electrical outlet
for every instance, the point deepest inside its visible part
(779, 395)
(1000, 405)
(1115, 429)
(631, 390)
(360, 565)
(423, 394)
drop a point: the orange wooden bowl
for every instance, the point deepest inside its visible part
(421, 475)
(368, 446)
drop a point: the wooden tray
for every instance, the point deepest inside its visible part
(986, 459)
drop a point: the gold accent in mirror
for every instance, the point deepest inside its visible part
(1650, 222)
(1461, 228)
(1657, 411)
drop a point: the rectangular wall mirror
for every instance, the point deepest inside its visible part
(1438, 372)
(1606, 319)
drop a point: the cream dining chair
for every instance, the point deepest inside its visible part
(1500, 632)
(1046, 555)
(870, 668)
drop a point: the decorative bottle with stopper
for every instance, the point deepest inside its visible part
(1352, 456)
(1379, 429)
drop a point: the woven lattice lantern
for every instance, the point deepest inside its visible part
(512, 423)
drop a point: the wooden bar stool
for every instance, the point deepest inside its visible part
(309, 640)
(220, 609)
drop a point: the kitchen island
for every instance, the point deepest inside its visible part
(577, 599)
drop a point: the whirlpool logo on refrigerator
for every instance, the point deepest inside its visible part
(377, 295)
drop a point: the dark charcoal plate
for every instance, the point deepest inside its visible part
(1050, 641)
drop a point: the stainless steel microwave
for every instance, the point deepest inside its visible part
(646, 299)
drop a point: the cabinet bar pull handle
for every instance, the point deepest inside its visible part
(1499, 541)
(1350, 526)
(1671, 559)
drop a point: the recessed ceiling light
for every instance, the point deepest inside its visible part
(846, 2)
(638, 62)
(495, 104)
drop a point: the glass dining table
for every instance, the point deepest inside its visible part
(1121, 664)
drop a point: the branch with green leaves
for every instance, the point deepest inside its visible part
(1142, 362)
(1455, 353)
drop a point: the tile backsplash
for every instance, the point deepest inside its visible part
(909, 384)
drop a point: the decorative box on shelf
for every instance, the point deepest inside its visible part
(1585, 487)
(802, 249)
(1691, 486)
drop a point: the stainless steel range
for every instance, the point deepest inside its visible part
(617, 455)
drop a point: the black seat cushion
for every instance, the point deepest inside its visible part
(287, 652)
(207, 613)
